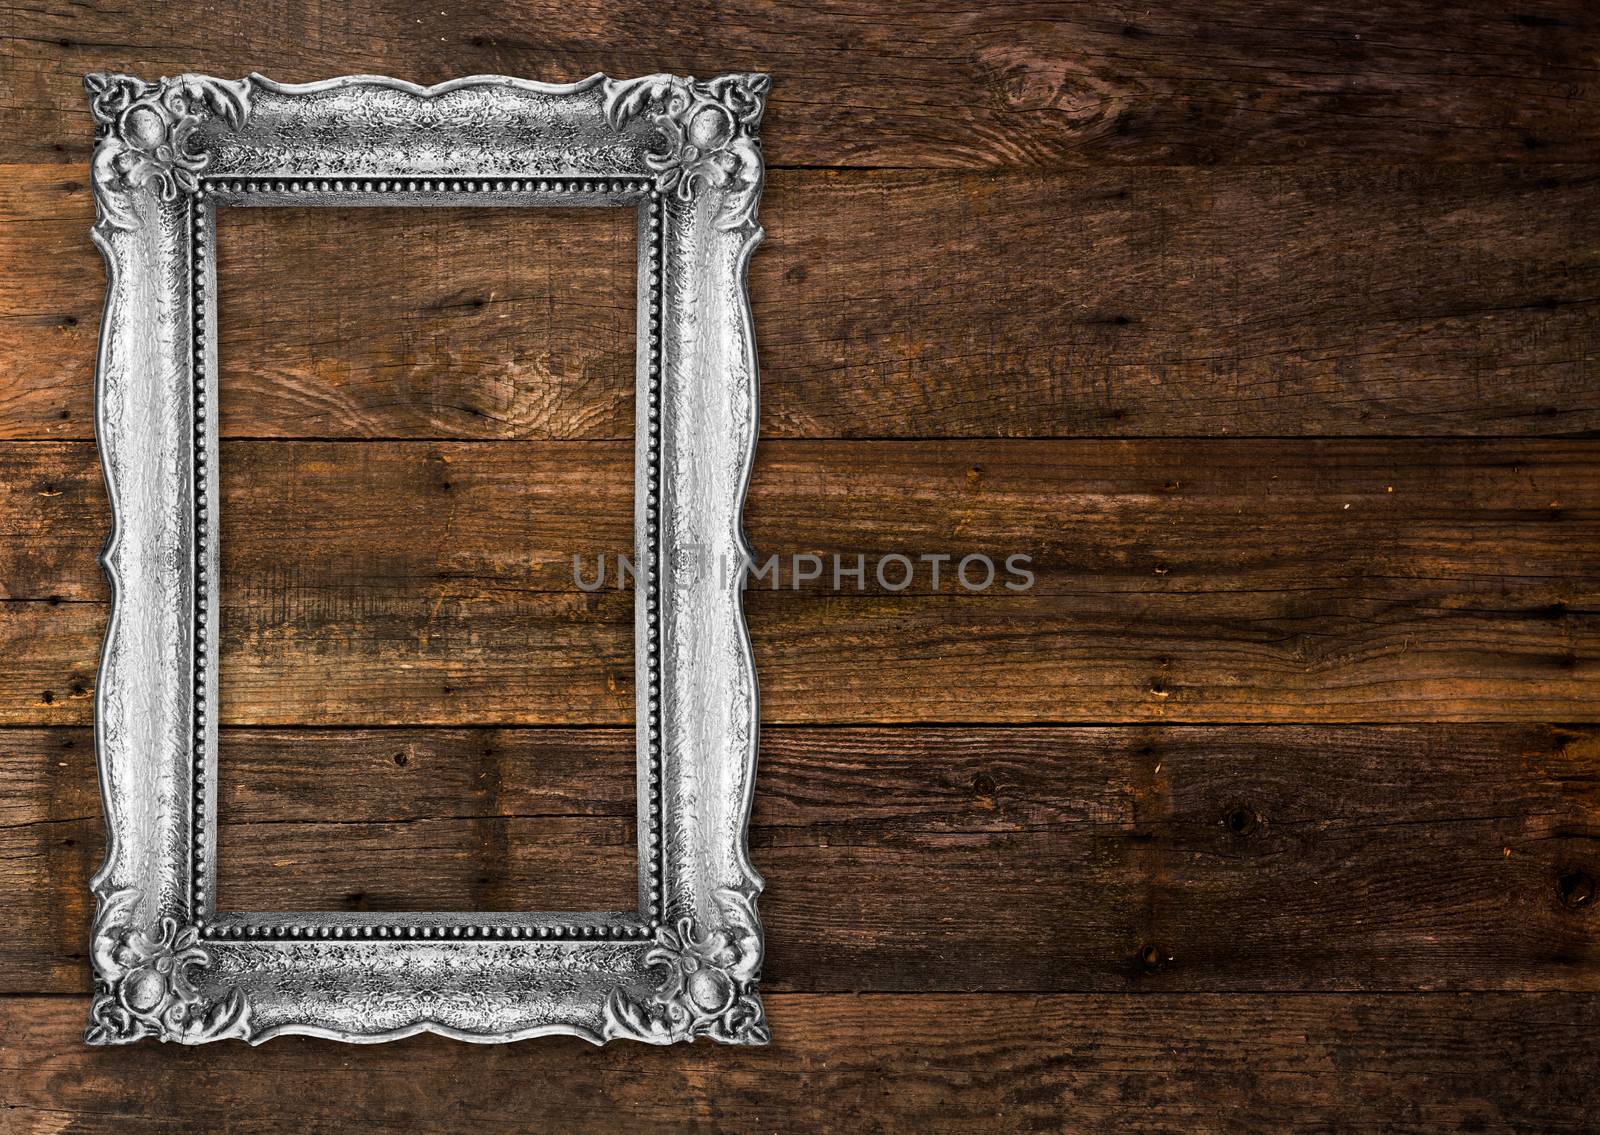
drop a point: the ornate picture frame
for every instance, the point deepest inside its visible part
(685, 154)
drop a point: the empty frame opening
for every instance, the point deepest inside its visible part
(427, 420)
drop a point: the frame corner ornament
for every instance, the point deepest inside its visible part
(684, 155)
(144, 982)
(708, 133)
(145, 133)
(711, 984)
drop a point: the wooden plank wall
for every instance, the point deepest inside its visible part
(1268, 331)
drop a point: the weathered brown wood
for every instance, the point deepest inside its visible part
(1179, 581)
(474, 819)
(443, 322)
(405, 775)
(1204, 81)
(481, 863)
(1325, 301)
(1289, 258)
(1136, 858)
(461, 587)
(1253, 1064)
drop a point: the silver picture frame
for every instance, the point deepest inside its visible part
(685, 154)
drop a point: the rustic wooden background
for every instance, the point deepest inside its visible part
(1267, 329)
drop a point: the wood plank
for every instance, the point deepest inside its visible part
(1178, 581)
(1203, 82)
(1264, 1064)
(1339, 300)
(1135, 858)
(471, 819)
(461, 587)
(479, 863)
(439, 322)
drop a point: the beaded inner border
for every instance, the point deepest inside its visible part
(609, 191)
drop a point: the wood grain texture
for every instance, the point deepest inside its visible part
(1043, 83)
(1161, 302)
(397, 820)
(1158, 1063)
(432, 582)
(1046, 220)
(496, 322)
(1136, 858)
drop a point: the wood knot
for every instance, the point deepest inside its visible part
(1575, 888)
(1028, 79)
(1241, 820)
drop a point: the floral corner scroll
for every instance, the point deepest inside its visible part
(710, 988)
(146, 131)
(708, 134)
(144, 985)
